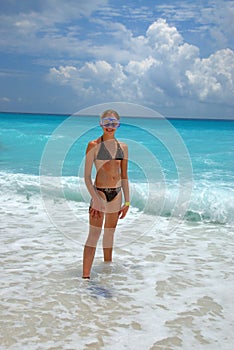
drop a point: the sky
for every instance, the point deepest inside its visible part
(173, 56)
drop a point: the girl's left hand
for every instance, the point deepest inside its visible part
(123, 211)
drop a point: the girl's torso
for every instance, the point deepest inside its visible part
(108, 157)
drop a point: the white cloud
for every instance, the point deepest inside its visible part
(212, 79)
(4, 99)
(180, 11)
(171, 69)
(162, 37)
(45, 26)
(101, 57)
(100, 69)
(210, 22)
(52, 28)
(139, 68)
(63, 74)
(220, 14)
(93, 80)
(54, 10)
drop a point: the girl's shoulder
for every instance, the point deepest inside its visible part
(124, 148)
(123, 145)
(93, 143)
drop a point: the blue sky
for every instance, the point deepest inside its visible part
(172, 56)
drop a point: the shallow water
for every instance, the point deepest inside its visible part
(164, 290)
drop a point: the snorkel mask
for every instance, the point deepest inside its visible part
(110, 123)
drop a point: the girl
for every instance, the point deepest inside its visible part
(110, 158)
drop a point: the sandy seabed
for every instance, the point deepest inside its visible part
(163, 291)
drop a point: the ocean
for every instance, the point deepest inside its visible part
(170, 285)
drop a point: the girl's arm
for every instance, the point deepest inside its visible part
(89, 159)
(125, 183)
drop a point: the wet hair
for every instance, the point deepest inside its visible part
(110, 113)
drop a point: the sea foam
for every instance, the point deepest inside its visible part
(208, 202)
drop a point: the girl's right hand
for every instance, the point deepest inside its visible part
(97, 208)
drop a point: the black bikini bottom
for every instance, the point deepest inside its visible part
(110, 193)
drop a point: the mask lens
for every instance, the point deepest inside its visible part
(110, 123)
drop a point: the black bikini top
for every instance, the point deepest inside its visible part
(104, 154)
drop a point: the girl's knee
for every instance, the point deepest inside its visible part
(93, 238)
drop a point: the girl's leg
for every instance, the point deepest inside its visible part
(111, 220)
(95, 227)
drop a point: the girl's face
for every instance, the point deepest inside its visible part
(109, 124)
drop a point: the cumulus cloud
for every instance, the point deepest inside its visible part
(63, 74)
(211, 19)
(102, 52)
(171, 68)
(212, 79)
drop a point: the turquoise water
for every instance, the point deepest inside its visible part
(168, 154)
(169, 286)
(209, 142)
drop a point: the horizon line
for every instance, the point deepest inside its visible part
(135, 116)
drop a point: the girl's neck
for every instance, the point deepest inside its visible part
(106, 137)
